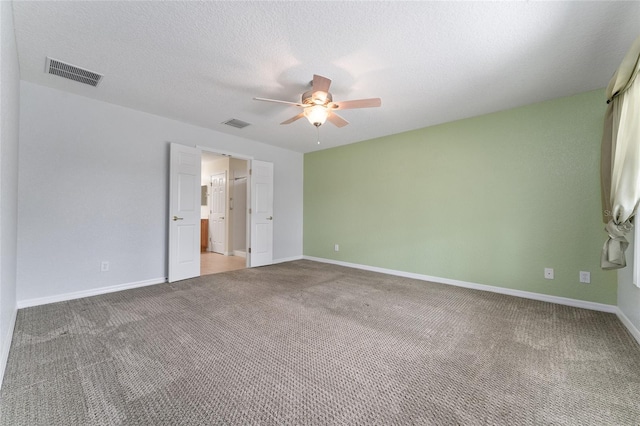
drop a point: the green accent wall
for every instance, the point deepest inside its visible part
(490, 200)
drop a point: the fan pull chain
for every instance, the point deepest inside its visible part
(318, 129)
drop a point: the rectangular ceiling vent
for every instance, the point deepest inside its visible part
(238, 124)
(72, 72)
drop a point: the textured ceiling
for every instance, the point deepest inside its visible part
(430, 62)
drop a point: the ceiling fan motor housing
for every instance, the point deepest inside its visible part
(307, 98)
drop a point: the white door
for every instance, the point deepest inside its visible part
(184, 212)
(217, 214)
(261, 213)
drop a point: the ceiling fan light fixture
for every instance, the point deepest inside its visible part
(318, 105)
(317, 115)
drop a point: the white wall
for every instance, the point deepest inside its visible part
(239, 213)
(94, 186)
(628, 293)
(9, 118)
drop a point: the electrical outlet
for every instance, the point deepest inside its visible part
(104, 266)
(336, 247)
(548, 273)
(585, 277)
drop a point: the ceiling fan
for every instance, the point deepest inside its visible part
(318, 105)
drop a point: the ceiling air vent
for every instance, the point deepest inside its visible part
(72, 72)
(238, 124)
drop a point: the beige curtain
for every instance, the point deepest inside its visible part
(620, 162)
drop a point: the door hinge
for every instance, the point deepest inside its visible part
(250, 172)
(249, 250)
(249, 211)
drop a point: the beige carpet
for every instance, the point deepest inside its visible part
(305, 343)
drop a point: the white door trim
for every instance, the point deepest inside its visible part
(225, 153)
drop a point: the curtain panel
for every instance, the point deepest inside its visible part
(620, 160)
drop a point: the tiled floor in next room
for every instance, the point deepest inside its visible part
(213, 263)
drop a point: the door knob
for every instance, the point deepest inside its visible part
(177, 218)
(221, 217)
(270, 218)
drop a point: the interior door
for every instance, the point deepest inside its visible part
(261, 213)
(184, 211)
(217, 214)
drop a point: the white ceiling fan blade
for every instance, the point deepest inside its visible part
(279, 102)
(359, 103)
(320, 87)
(336, 120)
(292, 119)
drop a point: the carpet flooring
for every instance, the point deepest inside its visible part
(305, 343)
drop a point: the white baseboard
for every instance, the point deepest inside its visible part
(240, 253)
(511, 292)
(87, 293)
(629, 325)
(287, 259)
(4, 356)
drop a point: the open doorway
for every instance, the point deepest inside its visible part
(185, 207)
(223, 213)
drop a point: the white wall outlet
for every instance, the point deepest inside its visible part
(585, 277)
(336, 247)
(104, 266)
(548, 273)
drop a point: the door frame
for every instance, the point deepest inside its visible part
(248, 159)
